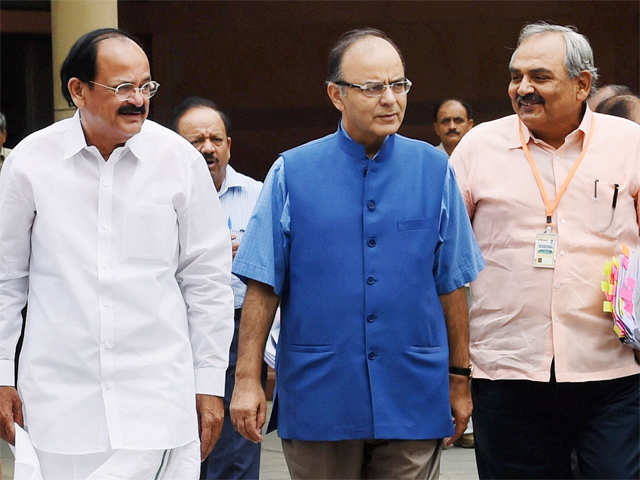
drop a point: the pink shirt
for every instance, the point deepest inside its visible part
(523, 317)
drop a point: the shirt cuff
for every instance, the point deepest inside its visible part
(7, 373)
(210, 381)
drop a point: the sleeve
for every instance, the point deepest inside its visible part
(462, 176)
(204, 275)
(457, 258)
(264, 252)
(18, 212)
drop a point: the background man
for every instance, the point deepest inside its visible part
(543, 188)
(209, 130)
(4, 152)
(606, 91)
(624, 106)
(452, 118)
(370, 277)
(112, 226)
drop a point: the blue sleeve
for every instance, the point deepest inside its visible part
(457, 258)
(263, 254)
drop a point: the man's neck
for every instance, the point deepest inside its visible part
(556, 136)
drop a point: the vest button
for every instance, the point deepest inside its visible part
(371, 317)
(371, 280)
(372, 356)
(372, 242)
(371, 205)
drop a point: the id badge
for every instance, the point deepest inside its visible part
(545, 250)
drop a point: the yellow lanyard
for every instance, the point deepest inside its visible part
(548, 206)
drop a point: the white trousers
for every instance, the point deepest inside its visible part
(182, 463)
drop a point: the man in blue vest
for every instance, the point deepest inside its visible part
(363, 238)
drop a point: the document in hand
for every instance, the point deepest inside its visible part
(622, 296)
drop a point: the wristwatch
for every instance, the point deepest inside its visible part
(467, 372)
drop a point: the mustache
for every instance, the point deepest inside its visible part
(453, 130)
(530, 98)
(128, 108)
(210, 157)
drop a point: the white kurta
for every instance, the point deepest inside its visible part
(127, 267)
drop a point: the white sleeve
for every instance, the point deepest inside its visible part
(204, 276)
(17, 214)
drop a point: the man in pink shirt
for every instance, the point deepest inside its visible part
(552, 193)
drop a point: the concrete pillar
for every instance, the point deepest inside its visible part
(70, 19)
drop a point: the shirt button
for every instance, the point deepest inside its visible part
(372, 355)
(371, 280)
(103, 228)
(371, 205)
(563, 220)
(107, 385)
(372, 242)
(561, 252)
(371, 317)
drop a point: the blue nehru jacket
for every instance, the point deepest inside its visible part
(359, 250)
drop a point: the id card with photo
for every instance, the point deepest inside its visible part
(546, 247)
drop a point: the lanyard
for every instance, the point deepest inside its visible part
(550, 207)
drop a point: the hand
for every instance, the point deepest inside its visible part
(248, 409)
(210, 419)
(10, 412)
(461, 405)
(234, 245)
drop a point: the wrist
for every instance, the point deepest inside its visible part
(457, 371)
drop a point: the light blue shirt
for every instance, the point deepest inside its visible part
(238, 194)
(256, 256)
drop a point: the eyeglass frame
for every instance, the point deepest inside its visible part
(135, 89)
(363, 87)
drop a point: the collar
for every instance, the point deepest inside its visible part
(76, 141)
(514, 138)
(232, 179)
(355, 149)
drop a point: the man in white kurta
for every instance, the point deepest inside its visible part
(112, 228)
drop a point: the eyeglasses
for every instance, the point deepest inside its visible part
(376, 89)
(124, 91)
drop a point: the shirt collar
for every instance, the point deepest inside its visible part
(76, 141)
(355, 149)
(232, 179)
(514, 136)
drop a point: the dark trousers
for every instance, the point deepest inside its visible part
(526, 429)
(233, 456)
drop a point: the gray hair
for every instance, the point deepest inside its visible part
(578, 56)
(3, 123)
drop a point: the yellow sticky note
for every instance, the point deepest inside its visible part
(625, 250)
(604, 286)
(607, 307)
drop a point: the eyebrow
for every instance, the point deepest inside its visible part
(144, 80)
(533, 70)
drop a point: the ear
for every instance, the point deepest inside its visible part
(335, 95)
(77, 90)
(583, 86)
(471, 123)
(229, 145)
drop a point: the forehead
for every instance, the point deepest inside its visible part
(121, 57)
(200, 119)
(371, 58)
(452, 109)
(541, 51)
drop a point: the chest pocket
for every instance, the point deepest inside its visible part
(151, 233)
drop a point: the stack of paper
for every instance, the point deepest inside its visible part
(622, 292)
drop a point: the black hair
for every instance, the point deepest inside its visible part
(466, 106)
(195, 102)
(345, 41)
(619, 105)
(81, 59)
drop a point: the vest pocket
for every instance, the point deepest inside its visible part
(424, 349)
(413, 224)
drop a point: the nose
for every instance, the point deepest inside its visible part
(524, 86)
(452, 124)
(387, 96)
(137, 98)
(207, 146)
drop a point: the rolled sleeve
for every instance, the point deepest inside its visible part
(264, 251)
(457, 258)
(204, 276)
